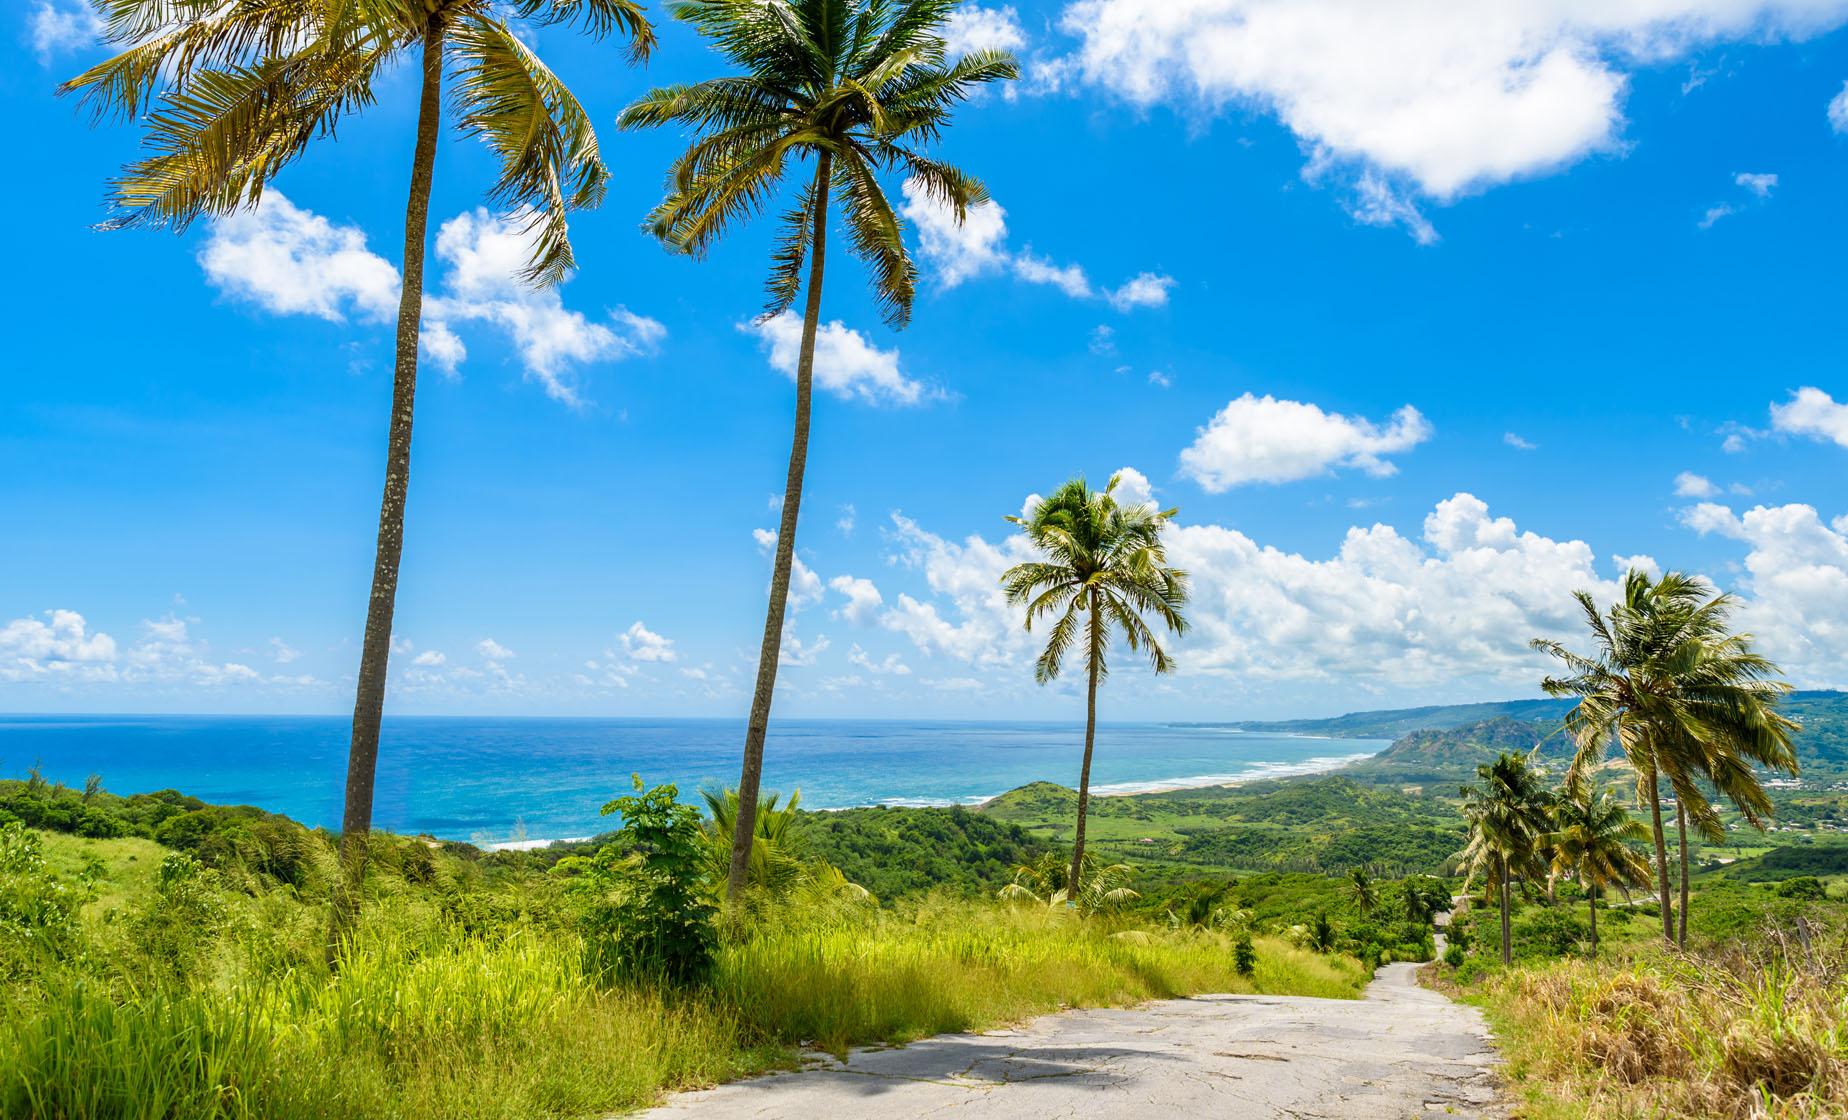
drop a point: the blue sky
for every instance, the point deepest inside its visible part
(1422, 324)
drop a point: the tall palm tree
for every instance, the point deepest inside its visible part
(1105, 568)
(234, 91)
(1507, 816)
(860, 87)
(1684, 698)
(1592, 840)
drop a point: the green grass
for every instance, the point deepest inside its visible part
(465, 997)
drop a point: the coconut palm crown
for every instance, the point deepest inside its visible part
(1105, 567)
(1507, 814)
(863, 87)
(234, 91)
(1593, 839)
(1686, 700)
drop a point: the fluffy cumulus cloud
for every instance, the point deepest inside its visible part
(1814, 413)
(1795, 591)
(54, 29)
(59, 648)
(642, 644)
(1439, 98)
(862, 598)
(1691, 485)
(847, 363)
(288, 260)
(977, 246)
(1262, 439)
(1452, 609)
(972, 27)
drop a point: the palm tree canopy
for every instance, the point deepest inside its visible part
(1096, 547)
(234, 91)
(1592, 837)
(1678, 692)
(1507, 812)
(865, 84)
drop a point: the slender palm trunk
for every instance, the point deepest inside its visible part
(772, 649)
(375, 653)
(1661, 847)
(1507, 932)
(1090, 740)
(1591, 902)
(1681, 918)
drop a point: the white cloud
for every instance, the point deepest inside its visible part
(1263, 439)
(1759, 184)
(1069, 279)
(59, 646)
(1812, 412)
(1451, 610)
(892, 665)
(1132, 488)
(1796, 585)
(54, 29)
(291, 261)
(643, 644)
(1838, 110)
(1691, 485)
(430, 658)
(1145, 289)
(804, 585)
(845, 521)
(485, 254)
(282, 652)
(492, 650)
(846, 364)
(1446, 98)
(956, 251)
(863, 598)
(1103, 340)
(1376, 202)
(977, 246)
(1160, 380)
(1519, 444)
(1714, 214)
(796, 654)
(972, 27)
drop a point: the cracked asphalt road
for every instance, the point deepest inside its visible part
(1403, 1051)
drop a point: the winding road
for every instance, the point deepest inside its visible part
(1402, 1051)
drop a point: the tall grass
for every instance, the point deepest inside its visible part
(422, 1020)
(1758, 1033)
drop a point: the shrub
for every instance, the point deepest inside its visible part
(1453, 955)
(651, 910)
(1804, 888)
(1244, 955)
(175, 927)
(38, 911)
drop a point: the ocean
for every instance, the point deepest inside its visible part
(518, 781)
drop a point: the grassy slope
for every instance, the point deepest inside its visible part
(465, 998)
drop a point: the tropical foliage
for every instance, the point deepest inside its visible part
(1686, 700)
(231, 93)
(1507, 812)
(861, 87)
(1104, 568)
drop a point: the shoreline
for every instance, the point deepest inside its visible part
(1258, 772)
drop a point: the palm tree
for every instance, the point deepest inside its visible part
(1685, 699)
(776, 863)
(1362, 890)
(233, 91)
(859, 86)
(1591, 840)
(1105, 565)
(1507, 815)
(1047, 882)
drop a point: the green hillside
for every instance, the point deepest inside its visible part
(1450, 756)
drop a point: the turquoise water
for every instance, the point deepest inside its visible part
(496, 780)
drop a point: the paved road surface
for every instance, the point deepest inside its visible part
(1403, 1051)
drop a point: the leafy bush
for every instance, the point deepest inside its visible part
(175, 927)
(651, 905)
(1805, 888)
(1453, 955)
(38, 911)
(1244, 956)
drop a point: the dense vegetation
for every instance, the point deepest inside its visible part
(894, 852)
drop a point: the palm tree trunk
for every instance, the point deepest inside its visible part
(1681, 919)
(1591, 902)
(1661, 847)
(375, 652)
(772, 649)
(1090, 740)
(1507, 940)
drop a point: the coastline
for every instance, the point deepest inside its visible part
(1260, 772)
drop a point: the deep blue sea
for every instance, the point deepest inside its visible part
(501, 780)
